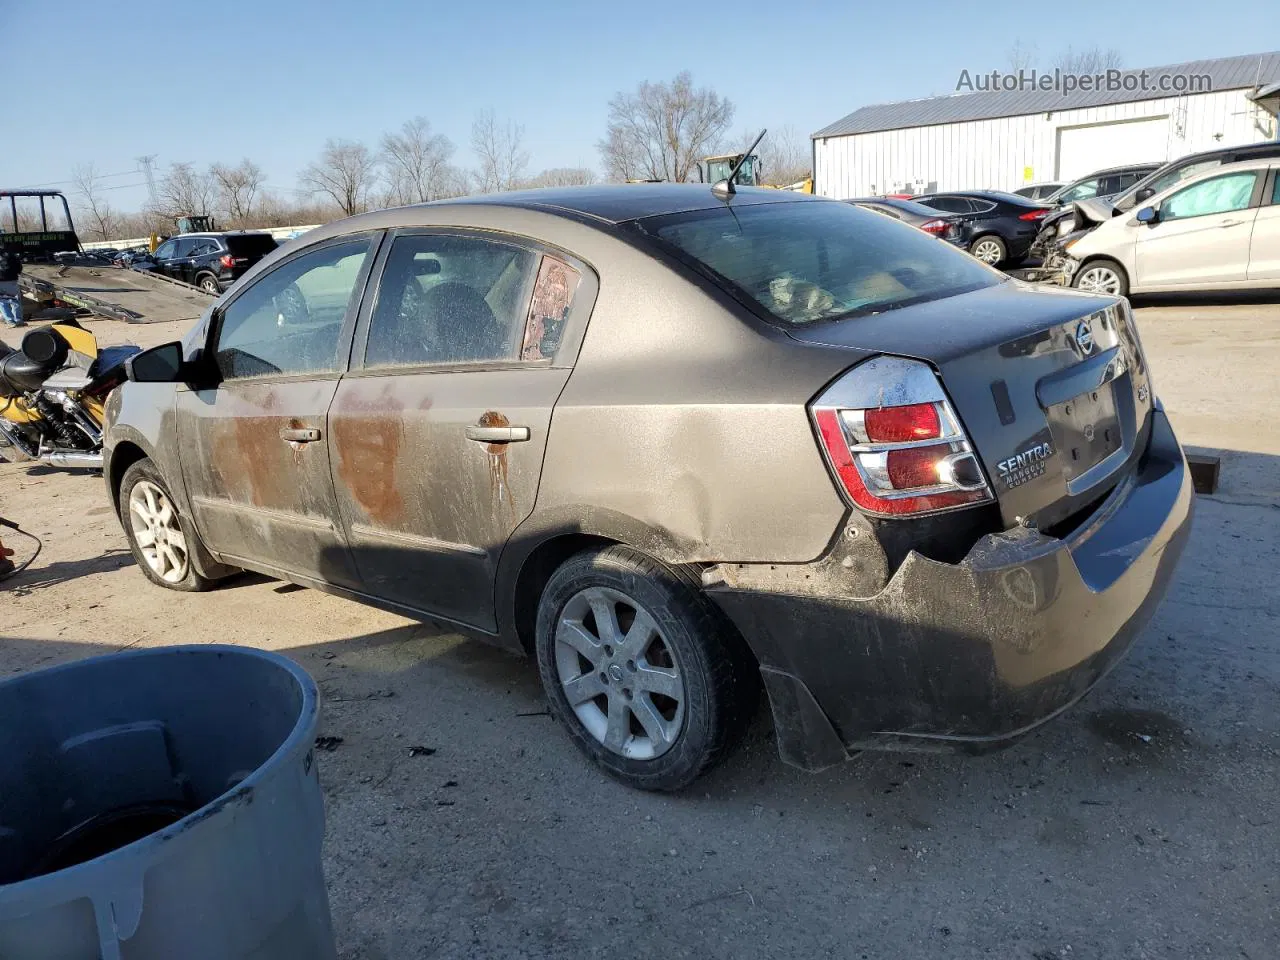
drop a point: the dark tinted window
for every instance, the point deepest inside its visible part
(948, 204)
(1275, 190)
(451, 299)
(256, 245)
(165, 250)
(290, 320)
(808, 261)
(203, 246)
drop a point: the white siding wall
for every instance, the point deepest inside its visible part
(991, 154)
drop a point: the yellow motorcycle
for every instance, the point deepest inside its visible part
(52, 394)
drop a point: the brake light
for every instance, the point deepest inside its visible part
(894, 441)
(227, 260)
(936, 227)
(1034, 215)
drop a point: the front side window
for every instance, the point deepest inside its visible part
(1275, 189)
(1217, 195)
(451, 299)
(165, 250)
(1081, 191)
(807, 261)
(290, 320)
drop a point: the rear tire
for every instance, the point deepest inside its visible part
(1102, 276)
(209, 284)
(990, 249)
(162, 540)
(657, 632)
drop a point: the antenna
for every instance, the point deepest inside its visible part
(147, 164)
(724, 189)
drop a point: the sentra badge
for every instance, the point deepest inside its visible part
(1027, 464)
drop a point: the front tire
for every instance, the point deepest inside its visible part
(645, 673)
(162, 541)
(1102, 276)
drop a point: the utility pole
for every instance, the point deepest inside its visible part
(147, 164)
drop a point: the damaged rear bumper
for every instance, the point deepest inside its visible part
(975, 653)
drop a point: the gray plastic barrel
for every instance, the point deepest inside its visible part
(162, 805)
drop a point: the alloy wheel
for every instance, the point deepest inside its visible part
(619, 674)
(1099, 280)
(988, 251)
(209, 285)
(160, 539)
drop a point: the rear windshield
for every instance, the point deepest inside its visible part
(807, 261)
(251, 244)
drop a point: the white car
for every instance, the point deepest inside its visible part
(1218, 230)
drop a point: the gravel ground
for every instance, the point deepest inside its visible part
(1142, 824)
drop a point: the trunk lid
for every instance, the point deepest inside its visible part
(1051, 386)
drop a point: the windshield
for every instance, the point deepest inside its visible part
(803, 262)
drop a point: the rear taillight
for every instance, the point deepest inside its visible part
(227, 260)
(895, 443)
(936, 227)
(1034, 215)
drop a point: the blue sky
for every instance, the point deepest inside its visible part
(210, 80)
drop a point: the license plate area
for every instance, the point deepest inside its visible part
(1086, 430)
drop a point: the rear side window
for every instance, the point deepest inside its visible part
(804, 262)
(251, 245)
(1275, 189)
(451, 299)
(948, 204)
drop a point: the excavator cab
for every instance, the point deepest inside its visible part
(195, 224)
(715, 169)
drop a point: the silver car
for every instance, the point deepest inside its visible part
(673, 446)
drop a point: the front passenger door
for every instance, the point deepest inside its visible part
(254, 444)
(1202, 236)
(439, 430)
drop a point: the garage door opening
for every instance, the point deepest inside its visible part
(1082, 150)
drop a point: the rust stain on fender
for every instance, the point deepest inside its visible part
(367, 435)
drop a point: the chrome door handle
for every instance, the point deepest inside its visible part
(498, 434)
(300, 434)
(1230, 223)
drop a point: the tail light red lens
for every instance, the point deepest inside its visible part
(894, 442)
(227, 260)
(1034, 215)
(915, 421)
(936, 227)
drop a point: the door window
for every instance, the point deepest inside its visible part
(949, 204)
(1081, 191)
(182, 246)
(290, 321)
(452, 299)
(981, 206)
(1218, 195)
(201, 247)
(165, 250)
(1275, 189)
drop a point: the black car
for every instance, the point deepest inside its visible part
(952, 228)
(1001, 225)
(1062, 221)
(211, 261)
(1103, 183)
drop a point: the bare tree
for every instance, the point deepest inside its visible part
(102, 219)
(238, 187)
(562, 177)
(785, 155)
(499, 148)
(345, 173)
(659, 131)
(417, 165)
(185, 191)
(1022, 56)
(1091, 60)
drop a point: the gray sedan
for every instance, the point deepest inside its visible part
(674, 446)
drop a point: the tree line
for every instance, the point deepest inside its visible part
(658, 131)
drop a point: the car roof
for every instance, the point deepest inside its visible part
(1258, 163)
(617, 203)
(1120, 169)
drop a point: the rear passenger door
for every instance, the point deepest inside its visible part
(1264, 248)
(438, 431)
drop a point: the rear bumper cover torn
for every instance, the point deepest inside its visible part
(976, 653)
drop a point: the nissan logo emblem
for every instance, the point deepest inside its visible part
(1084, 337)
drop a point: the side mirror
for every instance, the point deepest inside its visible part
(162, 364)
(1148, 215)
(1143, 195)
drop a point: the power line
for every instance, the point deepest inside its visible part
(97, 176)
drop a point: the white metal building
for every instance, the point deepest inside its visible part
(1002, 140)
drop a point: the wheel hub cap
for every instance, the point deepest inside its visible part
(619, 674)
(160, 539)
